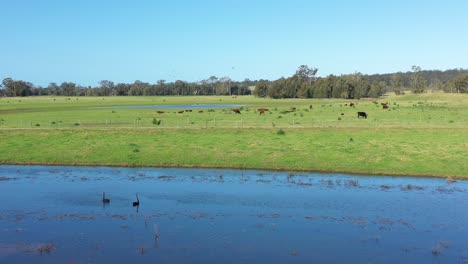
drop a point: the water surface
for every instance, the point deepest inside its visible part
(227, 216)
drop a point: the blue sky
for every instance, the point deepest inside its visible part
(123, 41)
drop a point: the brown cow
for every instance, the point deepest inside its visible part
(236, 111)
(351, 104)
(385, 106)
(262, 111)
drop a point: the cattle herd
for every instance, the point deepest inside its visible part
(262, 111)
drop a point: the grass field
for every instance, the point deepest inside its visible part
(420, 135)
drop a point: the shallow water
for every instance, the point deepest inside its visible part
(227, 216)
(194, 106)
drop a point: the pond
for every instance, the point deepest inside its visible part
(194, 106)
(56, 215)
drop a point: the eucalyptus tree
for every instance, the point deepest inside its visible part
(418, 84)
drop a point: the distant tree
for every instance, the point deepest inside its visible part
(377, 89)
(397, 83)
(276, 89)
(418, 84)
(460, 83)
(226, 82)
(69, 89)
(137, 88)
(107, 88)
(436, 85)
(122, 89)
(54, 89)
(306, 73)
(17, 88)
(261, 89)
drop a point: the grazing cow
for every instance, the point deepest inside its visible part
(160, 112)
(261, 111)
(188, 110)
(236, 111)
(384, 106)
(351, 104)
(362, 114)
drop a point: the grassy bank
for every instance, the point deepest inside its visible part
(392, 152)
(417, 135)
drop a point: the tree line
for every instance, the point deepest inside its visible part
(303, 84)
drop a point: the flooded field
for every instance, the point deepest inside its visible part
(57, 215)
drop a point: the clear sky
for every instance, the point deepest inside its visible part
(85, 41)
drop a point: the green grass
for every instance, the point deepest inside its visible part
(422, 135)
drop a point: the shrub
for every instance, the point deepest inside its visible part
(156, 121)
(38, 125)
(280, 132)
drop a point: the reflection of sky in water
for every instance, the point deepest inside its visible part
(195, 106)
(228, 216)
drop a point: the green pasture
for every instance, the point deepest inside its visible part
(420, 135)
(410, 111)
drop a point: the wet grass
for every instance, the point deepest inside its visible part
(403, 152)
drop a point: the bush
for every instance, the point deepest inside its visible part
(280, 132)
(156, 121)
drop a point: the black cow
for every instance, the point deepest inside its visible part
(361, 114)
